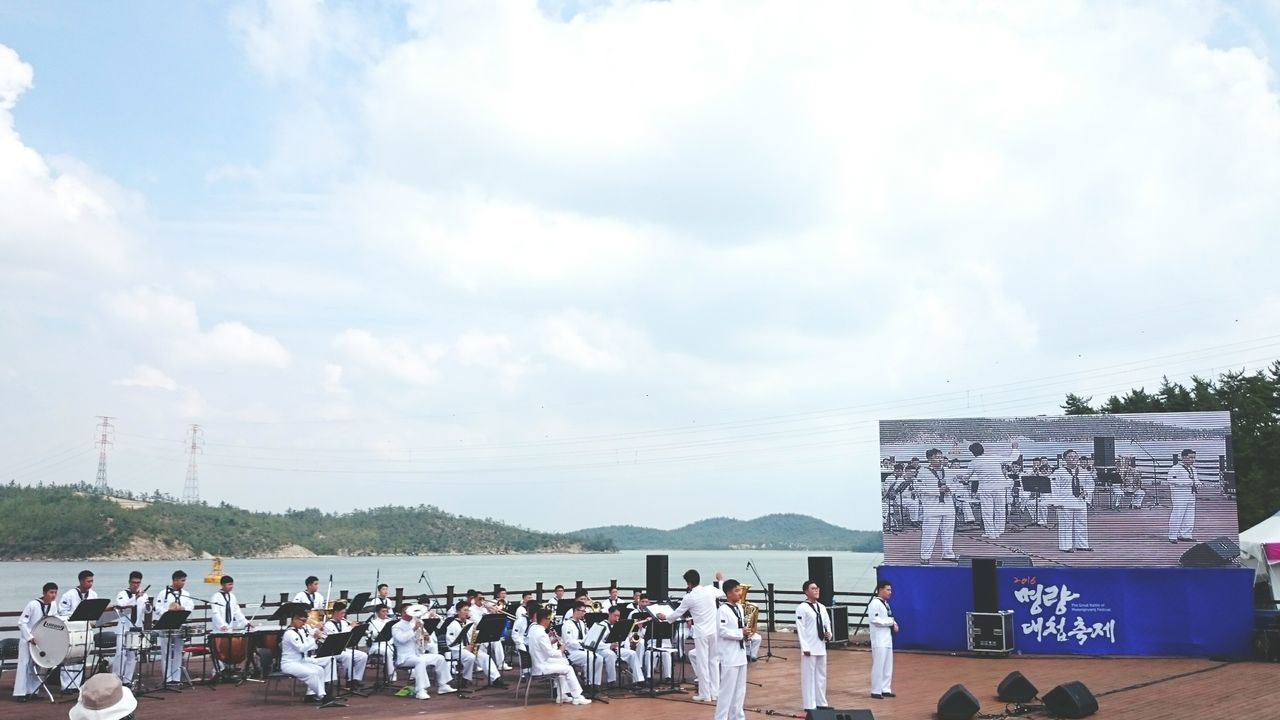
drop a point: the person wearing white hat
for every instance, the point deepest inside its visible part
(102, 697)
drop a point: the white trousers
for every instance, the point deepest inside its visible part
(27, 678)
(420, 663)
(753, 645)
(1073, 528)
(1138, 497)
(813, 681)
(352, 669)
(933, 525)
(171, 649)
(609, 658)
(649, 653)
(312, 672)
(994, 512)
(125, 661)
(733, 692)
(589, 664)
(705, 658)
(1182, 519)
(566, 681)
(881, 669)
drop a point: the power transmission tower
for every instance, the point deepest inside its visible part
(191, 491)
(106, 438)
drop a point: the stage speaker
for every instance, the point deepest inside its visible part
(1071, 700)
(957, 704)
(1104, 452)
(656, 577)
(1214, 553)
(984, 585)
(821, 573)
(1016, 688)
(826, 713)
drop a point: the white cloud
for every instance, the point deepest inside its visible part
(588, 341)
(394, 358)
(333, 380)
(145, 376)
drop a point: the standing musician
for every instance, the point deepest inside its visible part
(938, 508)
(1182, 495)
(383, 598)
(225, 614)
(174, 597)
(700, 604)
(351, 663)
(732, 645)
(1069, 493)
(548, 660)
(130, 607)
(297, 648)
(574, 634)
(812, 630)
(880, 616)
(72, 675)
(525, 599)
(26, 680)
(409, 654)
(612, 600)
(311, 595)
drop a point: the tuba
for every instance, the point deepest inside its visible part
(750, 613)
(595, 607)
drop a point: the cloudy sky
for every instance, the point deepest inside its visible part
(571, 263)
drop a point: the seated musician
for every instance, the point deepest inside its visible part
(297, 650)
(549, 660)
(574, 634)
(461, 653)
(609, 653)
(409, 654)
(351, 663)
(642, 612)
(381, 616)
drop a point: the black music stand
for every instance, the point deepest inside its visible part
(333, 646)
(655, 632)
(383, 638)
(284, 613)
(170, 623)
(564, 607)
(1038, 486)
(592, 618)
(493, 628)
(357, 633)
(595, 692)
(88, 611)
(621, 634)
(455, 649)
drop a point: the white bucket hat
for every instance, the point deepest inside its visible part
(102, 697)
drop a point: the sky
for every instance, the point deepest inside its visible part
(569, 264)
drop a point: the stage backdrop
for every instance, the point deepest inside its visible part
(1096, 611)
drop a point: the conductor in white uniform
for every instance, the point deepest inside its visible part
(993, 487)
(812, 630)
(700, 604)
(1182, 494)
(883, 626)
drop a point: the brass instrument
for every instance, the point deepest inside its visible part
(473, 642)
(750, 613)
(635, 638)
(595, 607)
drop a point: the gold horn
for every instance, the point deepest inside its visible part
(750, 612)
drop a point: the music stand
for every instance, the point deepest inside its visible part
(621, 634)
(333, 646)
(655, 633)
(357, 633)
(357, 603)
(88, 611)
(455, 649)
(284, 613)
(493, 628)
(564, 607)
(1038, 486)
(592, 618)
(383, 638)
(170, 623)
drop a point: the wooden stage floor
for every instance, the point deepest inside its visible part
(1137, 688)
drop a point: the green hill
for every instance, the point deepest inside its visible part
(72, 523)
(771, 532)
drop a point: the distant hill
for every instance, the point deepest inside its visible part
(771, 532)
(37, 522)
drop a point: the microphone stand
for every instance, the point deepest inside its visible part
(768, 636)
(1155, 469)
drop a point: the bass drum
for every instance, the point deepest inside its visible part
(51, 642)
(82, 641)
(229, 648)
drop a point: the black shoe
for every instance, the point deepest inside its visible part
(311, 699)
(1084, 549)
(1173, 542)
(875, 696)
(889, 694)
(499, 683)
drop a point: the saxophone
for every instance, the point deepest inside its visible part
(750, 613)
(473, 643)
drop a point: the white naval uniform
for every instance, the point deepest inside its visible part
(296, 647)
(171, 650)
(1182, 517)
(880, 616)
(938, 513)
(1073, 515)
(470, 661)
(386, 651)
(811, 630)
(73, 675)
(573, 633)
(700, 604)
(130, 610)
(753, 645)
(225, 615)
(547, 660)
(26, 679)
(405, 639)
(518, 631)
(732, 647)
(352, 664)
(494, 649)
(609, 656)
(651, 646)
(993, 490)
(314, 600)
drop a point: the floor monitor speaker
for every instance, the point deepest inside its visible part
(1016, 688)
(1071, 700)
(957, 703)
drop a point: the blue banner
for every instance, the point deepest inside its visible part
(1092, 611)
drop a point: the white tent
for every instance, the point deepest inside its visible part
(1260, 549)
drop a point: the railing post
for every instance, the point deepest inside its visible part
(769, 602)
(399, 596)
(613, 583)
(496, 586)
(577, 588)
(448, 597)
(537, 593)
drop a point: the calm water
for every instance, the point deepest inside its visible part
(21, 581)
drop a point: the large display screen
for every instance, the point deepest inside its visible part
(1084, 490)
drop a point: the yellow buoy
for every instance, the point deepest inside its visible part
(215, 575)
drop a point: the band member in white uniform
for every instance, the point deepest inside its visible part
(574, 634)
(404, 635)
(610, 652)
(1182, 494)
(459, 652)
(1068, 496)
(478, 610)
(73, 675)
(523, 610)
(520, 628)
(938, 508)
(813, 633)
(130, 607)
(700, 604)
(386, 651)
(731, 642)
(351, 663)
(175, 593)
(993, 487)
(26, 679)
(297, 646)
(311, 595)
(383, 598)
(641, 611)
(882, 628)
(548, 660)
(225, 614)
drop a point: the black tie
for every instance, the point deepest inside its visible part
(44, 609)
(822, 629)
(311, 599)
(227, 599)
(1075, 483)
(887, 608)
(133, 611)
(738, 614)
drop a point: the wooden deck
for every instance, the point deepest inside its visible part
(1137, 688)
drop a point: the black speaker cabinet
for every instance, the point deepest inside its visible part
(1104, 452)
(826, 713)
(656, 577)
(1071, 700)
(990, 632)
(838, 622)
(984, 585)
(1016, 688)
(957, 703)
(820, 572)
(1214, 553)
